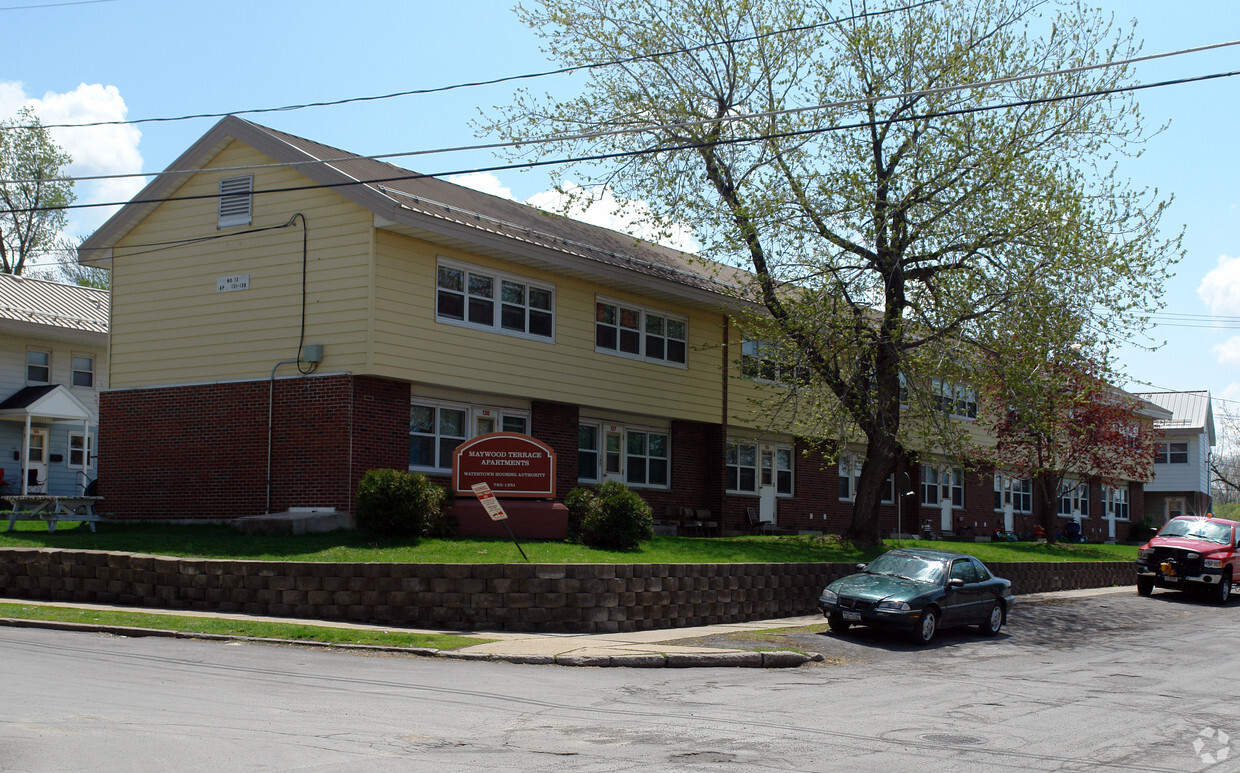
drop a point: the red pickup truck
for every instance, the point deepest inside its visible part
(1191, 552)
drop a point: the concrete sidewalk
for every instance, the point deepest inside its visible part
(638, 649)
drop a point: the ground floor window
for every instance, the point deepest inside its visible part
(646, 458)
(81, 451)
(750, 465)
(741, 467)
(941, 483)
(434, 433)
(1018, 492)
(638, 456)
(1074, 499)
(1115, 502)
(587, 452)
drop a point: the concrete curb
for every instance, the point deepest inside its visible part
(738, 659)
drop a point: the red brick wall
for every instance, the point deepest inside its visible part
(200, 451)
(556, 425)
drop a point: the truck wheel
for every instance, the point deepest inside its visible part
(1145, 585)
(1221, 592)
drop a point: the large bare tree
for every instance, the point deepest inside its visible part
(31, 196)
(899, 179)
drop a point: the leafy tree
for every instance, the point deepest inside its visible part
(30, 224)
(837, 157)
(1061, 416)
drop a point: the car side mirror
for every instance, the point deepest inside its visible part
(956, 582)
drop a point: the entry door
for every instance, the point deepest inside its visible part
(766, 486)
(613, 456)
(38, 461)
(1175, 508)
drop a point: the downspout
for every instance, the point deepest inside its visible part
(271, 390)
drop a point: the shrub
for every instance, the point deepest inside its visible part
(609, 517)
(396, 503)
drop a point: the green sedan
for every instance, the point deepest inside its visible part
(919, 591)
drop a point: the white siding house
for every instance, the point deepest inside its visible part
(1181, 484)
(53, 363)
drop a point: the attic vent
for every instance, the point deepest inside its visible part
(236, 197)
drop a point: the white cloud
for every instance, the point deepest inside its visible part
(1220, 287)
(1228, 352)
(604, 210)
(96, 150)
(486, 182)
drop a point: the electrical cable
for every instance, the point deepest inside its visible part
(975, 85)
(648, 151)
(490, 82)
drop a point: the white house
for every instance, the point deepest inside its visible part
(1181, 484)
(53, 350)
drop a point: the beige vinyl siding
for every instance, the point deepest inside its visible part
(411, 344)
(169, 323)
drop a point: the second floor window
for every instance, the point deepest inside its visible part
(954, 399)
(636, 332)
(481, 298)
(1171, 453)
(38, 367)
(83, 371)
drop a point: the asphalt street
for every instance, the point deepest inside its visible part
(1108, 683)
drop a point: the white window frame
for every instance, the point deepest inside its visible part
(75, 370)
(787, 452)
(89, 443)
(496, 300)
(938, 472)
(648, 460)
(956, 400)
(1115, 497)
(643, 334)
(236, 202)
(1073, 495)
(595, 474)
(443, 465)
(1167, 453)
(850, 471)
(1018, 491)
(46, 353)
(733, 459)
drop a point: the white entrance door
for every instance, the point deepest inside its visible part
(766, 486)
(613, 456)
(37, 465)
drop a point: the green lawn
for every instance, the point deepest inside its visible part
(202, 541)
(231, 627)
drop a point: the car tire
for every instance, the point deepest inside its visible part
(837, 623)
(926, 626)
(1145, 585)
(993, 622)
(1220, 593)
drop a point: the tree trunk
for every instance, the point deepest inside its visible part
(881, 457)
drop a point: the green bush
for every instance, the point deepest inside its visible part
(396, 503)
(609, 517)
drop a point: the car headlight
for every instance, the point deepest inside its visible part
(829, 597)
(1144, 552)
(1213, 563)
(894, 606)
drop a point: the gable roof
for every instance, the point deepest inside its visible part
(50, 402)
(444, 213)
(41, 307)
(1190, 411)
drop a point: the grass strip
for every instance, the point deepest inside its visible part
(231, 627)
(224, 542)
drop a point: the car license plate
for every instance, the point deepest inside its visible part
(852, 616)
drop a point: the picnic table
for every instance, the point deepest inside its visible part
(49, 508)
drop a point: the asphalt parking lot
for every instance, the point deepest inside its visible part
(1033, 625)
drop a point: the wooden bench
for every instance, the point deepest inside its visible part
(50, 509)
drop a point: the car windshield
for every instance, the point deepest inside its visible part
(1206, 530)
(908, 566)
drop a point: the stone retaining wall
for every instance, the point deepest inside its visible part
(576, 598)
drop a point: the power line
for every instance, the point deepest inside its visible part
(680, 125)
(651, 151)
(490, 82)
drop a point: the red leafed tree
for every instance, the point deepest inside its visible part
(1060, 416)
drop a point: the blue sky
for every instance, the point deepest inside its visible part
(155, 58)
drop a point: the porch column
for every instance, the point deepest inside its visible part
(26, 458)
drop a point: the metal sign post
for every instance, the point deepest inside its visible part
(496, 511)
